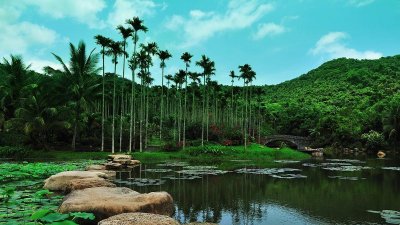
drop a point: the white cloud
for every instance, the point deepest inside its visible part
(200, 25)
(38, 64)
(360, 3)
(83, 11)
(268, 29)
(330, 45)
(17, 38)
(126, 9)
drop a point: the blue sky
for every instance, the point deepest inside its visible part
(281, 39)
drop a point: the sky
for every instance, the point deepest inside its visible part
(280, 39)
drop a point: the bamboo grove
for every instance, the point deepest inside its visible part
(87, 105)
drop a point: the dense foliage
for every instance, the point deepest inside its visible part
(337, 104)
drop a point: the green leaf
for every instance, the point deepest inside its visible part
(41, 213)
(53, 217)
(65, 222)
(83, 215)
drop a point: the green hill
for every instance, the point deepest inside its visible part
(339, 101)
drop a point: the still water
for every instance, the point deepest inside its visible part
(309, 192)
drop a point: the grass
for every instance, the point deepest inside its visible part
(67, 155)
(223, 155)
(227, 156)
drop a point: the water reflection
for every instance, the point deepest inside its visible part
(324, 197)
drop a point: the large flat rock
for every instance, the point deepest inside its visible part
(61, 181)
(139, 219)
(106, 201)
(79, 184)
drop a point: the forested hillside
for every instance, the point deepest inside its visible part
(344, 102)
(339, 102)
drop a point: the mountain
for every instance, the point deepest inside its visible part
(339, 101)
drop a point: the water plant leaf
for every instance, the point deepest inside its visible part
(40, 214)
(65, 222)
(83, 215)
(54, 217)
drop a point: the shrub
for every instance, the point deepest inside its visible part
(14, 152)
(213, 150)
(373, 140)
(171, 147)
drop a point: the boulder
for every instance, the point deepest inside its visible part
(106, 201)
(134, 162)
(79, 184)
(119, 157)
(113, 166)
(139, 219)
(61, 181)
(381, 154)
(95, 167)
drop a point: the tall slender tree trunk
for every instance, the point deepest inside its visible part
(102, 108)
(146, 138)
(162, 102)
(141, 116)
(75, 134)
(184, 111)
(122, 99)
(232, 104)
(132, 127)
(113, 113)
(203, 110)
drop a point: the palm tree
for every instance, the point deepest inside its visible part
(115, 50)
(37, 114)
(163, 55)
(179, 79)
(232, 76)
(169, 78)
(195, 79)
(208, 69)
(247, 74)
(186, 57)
(79, 76)
(125, 33)
(15, 76)
(144, 62)
(137, 25)
(104, 43)
(150, 49)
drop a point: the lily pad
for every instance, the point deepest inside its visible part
(286, 161)
(288, 176)
(346, 160)
(311, 165)
(202, 172)
(183, 177)
(391, 168)
(346, 178)
(266, 171)
(145, 182)
(200, 168)
(173, 164)
(390, 216)
(158, 170)
(346, 168)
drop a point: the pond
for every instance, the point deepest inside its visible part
(333, 191)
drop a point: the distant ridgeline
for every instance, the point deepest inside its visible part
(341, 102)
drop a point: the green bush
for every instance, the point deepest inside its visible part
(171, 147)
(14, 152)
(208, 150)
(373, 140)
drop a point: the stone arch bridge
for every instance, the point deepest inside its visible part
(300, 142)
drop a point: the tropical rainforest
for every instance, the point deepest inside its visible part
(342, 103)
